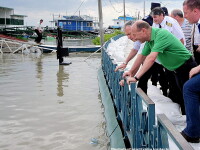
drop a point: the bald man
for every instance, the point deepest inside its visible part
(164, 46)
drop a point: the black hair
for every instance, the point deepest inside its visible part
(192, 4)
(165, 11)
(157, 11)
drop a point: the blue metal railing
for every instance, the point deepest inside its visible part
(136, 111)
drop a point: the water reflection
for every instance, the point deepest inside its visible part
(43, 108)
(39, 68)
(62, 76)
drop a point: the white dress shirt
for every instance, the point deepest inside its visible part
(196, 34)
(172, 26)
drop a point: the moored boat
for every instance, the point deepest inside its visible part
(53, 48)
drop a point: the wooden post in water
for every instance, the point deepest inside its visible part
(59, 45)
(60, 50)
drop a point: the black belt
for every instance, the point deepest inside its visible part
(195, 47)
(182, 67)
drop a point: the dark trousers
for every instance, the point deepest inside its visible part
(174, 93)
(156, 68)
(182, 75)
(158, 75)
(143, 82)
(196, 54)
(39, 36)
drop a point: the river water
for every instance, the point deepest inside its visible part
(44, 106)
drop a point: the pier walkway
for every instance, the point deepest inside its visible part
(10, 44)
(146, 121)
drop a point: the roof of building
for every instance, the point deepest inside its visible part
(126, 18)
(73, 17)
(77, 18)
(6, 8)
(19, 15)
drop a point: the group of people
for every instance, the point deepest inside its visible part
(168, 48)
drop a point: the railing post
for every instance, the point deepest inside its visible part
(179, 140)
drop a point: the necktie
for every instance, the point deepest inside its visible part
(199, 27)
(160, 26)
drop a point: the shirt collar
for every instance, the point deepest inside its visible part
(198, 25)
(153, 34)
(184, 23)
(163, 22)
(198, 22)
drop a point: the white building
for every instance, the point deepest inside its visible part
(119, 23)
(9, 19)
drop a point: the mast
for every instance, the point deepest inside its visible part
(5, 17)
(144, 8)
(101, 22)
(124, 13)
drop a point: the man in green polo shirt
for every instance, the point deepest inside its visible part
(164, 46)
(170, 52)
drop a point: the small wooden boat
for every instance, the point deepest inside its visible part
(53, 48)
(48, 48)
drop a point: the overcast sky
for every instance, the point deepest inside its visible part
(37, 9)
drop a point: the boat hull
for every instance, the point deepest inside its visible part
(71, 49)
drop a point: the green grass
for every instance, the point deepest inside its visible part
(21, 38)
(107, 37)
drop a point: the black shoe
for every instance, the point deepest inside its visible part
(165, 93)
(190, 139)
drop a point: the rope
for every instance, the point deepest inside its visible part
(79, 7)
(113, 130)
(114, 7)
(95, 51)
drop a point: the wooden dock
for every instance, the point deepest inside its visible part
(10, 44)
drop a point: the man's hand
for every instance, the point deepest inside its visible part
(121, 82)
(194, 71)
(122, 66)
(125, 74)
(198, 49)
(131, 79)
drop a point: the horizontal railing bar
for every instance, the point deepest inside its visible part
(146, 99)
(174, 134)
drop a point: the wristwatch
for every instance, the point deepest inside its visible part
(136, 78)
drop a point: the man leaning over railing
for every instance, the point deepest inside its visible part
(161, 45)
(191, 90)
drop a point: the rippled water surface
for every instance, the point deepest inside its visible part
(44, 106)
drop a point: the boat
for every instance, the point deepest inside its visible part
(53, 48)
(88, 48)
